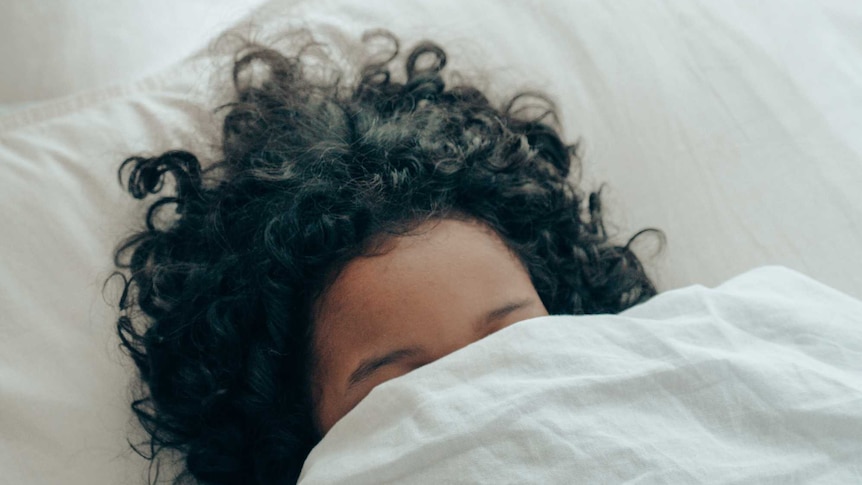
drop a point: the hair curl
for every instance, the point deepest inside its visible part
(216, 310)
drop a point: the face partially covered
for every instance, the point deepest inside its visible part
(444, 286)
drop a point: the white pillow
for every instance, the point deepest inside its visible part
(701, 116)
(63, 381)
(54, 48)
(756, 381)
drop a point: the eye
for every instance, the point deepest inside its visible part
(502, 323)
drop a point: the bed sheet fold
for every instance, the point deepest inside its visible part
(756, 381)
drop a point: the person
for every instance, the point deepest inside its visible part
(352, 232)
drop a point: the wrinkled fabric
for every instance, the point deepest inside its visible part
(756, 381)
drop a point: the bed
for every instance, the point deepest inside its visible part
(734, 127)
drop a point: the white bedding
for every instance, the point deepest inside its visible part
(53, 48)
(732, 125)
(756, 381)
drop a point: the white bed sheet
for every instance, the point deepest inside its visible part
(756, 381)
(731, 125)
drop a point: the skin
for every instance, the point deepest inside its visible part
(446, 285)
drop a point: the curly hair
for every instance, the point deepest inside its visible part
(216, 310)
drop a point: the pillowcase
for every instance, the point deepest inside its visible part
(756, 381)
(64, 384)
(56, 48)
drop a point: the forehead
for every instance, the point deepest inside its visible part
(441, 268)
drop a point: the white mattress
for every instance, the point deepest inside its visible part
(756, 381)
(731, 125)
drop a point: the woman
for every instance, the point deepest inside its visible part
(350, 234)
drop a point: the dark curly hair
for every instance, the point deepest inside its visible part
(216, 308)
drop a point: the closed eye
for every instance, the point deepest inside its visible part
(501, 313)
(368, 367)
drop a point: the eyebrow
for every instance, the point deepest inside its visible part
(367, 367)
